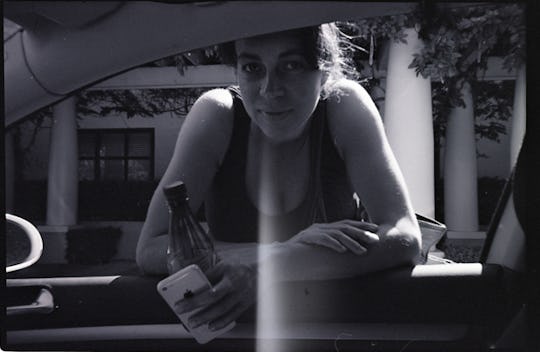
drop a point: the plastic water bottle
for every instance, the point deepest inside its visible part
(189, 243)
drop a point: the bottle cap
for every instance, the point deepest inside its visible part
(175, 190)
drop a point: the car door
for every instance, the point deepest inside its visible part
(467, 306)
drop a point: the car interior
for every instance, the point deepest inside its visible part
(488, 305)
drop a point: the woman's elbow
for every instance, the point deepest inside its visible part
(403, 248)
(410, 245)
(410, 249)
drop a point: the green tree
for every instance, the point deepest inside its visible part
(136, 102)
(457, 42)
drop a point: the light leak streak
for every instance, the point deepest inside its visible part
(269, 302)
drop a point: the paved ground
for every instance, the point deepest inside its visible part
(462, 251)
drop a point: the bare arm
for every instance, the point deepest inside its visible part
(199, 151)
(359, 136)
(358, 133)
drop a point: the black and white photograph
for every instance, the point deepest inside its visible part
(270, 176)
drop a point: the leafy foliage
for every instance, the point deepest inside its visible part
(458, 42)
(24, 137)
(137, 102)
(441, 106)
(384, 27)
(463, 38)
(150, 102)
(370, 33)
(493, 105)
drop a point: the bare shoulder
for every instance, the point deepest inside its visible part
(352, 115)
(219, 100)
(220, 96)
(208, 125)
(211, 114)
(351, 98)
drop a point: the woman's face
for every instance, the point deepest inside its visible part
(279, 88)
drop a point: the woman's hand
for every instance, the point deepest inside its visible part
(340, 236)
(234, 291)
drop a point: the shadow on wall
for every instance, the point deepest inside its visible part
(92, 244)
(98, 201)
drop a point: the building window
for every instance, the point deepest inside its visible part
(116, 154)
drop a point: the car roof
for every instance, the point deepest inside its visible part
(65, 46)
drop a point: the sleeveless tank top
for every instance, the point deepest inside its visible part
(231, 215)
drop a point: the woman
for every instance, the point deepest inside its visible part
(276, 164)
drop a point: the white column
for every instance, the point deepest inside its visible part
(9, 172)
(62, 191)
(409, 123)
(519, 116)
(460, 168)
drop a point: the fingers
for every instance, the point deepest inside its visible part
(216, 273)
(335, 240)
(207, 296)
(342, 235)
(350, 243)
(233, 293)
(216, 311)
(362, 225)
(198, 300)
(225, 320)
(324, 240)
(362, 231)
(361, 235)
(218, 315)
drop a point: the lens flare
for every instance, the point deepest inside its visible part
(269, 307)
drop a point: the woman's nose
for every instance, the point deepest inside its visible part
(271, 86)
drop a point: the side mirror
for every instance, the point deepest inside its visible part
(23, 243)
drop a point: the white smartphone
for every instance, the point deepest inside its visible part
(188, 282)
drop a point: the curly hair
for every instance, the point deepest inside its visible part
(326, 49)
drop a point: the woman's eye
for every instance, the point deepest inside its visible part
(252, 68)
(293, 66)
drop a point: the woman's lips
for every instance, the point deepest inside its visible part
(275, 114)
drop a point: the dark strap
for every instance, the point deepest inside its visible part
(319, 207)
